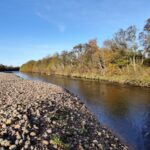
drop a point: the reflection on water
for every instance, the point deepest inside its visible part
(125, 110)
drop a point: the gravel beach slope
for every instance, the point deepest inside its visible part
(41, 116)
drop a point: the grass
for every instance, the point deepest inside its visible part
(57, 141)
(126, 75)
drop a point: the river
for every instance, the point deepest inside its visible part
(123, 109)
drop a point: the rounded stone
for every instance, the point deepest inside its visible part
(8, 121)
(33, 134)
(45, 142)
(49, 131)
(17, 126)
(4, 126)
(12, 147)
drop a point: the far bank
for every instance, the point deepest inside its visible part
(132, 80)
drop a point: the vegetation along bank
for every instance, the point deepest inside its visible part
(8, 68)
(120, 59)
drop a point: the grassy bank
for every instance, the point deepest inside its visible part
(138, 81)
(141, 77)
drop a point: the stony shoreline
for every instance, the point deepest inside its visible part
(41, 116)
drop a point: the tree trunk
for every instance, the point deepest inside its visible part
(134, 63)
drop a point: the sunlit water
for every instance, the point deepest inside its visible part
(124, 109)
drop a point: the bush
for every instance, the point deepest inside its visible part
(147, 62)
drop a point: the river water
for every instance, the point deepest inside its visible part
(123, 109)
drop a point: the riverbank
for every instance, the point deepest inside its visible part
(123, 79)
(37, 115)
(133, 80)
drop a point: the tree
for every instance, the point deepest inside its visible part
(64, 57)
(147, 25)
(91, 48)
(2, 67)
(110, 44)
(131, 33)
(77, 50)
(144, 36)
(120, 40)
(28, 67)
(131, 37)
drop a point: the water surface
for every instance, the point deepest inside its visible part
(124, 109)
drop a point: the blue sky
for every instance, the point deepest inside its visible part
(32, 29)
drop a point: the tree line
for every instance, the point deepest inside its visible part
(8, 68)
(124, 54)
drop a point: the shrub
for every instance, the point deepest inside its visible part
(147, 62)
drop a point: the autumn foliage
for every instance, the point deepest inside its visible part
(118, 57)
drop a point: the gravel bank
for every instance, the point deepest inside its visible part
(40, 116)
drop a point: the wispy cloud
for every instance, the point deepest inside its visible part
(42, 16)
(61, 28)
(91, 13)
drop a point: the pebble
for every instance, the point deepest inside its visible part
(45, 142)
(99, 133)
(100, 146)
(12, 147)
(4, 126)
(54, 122)
(36, 115)
(17, 142)
(80, 147)
(5, 143)
(33, 134)
(8, 122)
(18, 137)
(25, 117)
(55, 146)
(95, 141)
(49, 131)
(17, 126)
